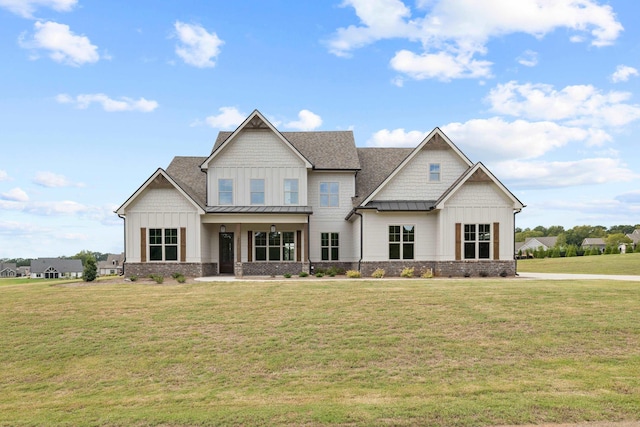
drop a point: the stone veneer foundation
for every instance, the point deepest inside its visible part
(443, 268)
(188, 269)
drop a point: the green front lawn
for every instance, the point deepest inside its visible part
(622, 264)
(353, 352)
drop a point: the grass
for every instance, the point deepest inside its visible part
(620, 264)
(363, 352)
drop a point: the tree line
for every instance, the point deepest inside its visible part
(83, 256)
(612, 236)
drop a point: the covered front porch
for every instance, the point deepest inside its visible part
(260, 243)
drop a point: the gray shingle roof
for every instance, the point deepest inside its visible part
(334, 150)
(260, 209)
(187, 174)
(59, 264)
(376, 165)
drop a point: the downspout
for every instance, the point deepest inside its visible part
(361, 237)
(307, 243)
(515, 255)
(124, 239)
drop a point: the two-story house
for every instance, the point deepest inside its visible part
(266, 202)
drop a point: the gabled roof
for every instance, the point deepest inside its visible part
(161, 178)
(477, 173)
(328, 150)
(40, 265)
(435, 139)
(593, 241)
(255, 121)
(376, 165)
(535, 242)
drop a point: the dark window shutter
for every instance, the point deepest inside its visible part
(143, 245)
(458, 241)
(250, 246)
(183, 244)
(496, 240)
(298, 245)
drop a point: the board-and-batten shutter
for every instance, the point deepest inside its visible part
(250, 246)
(143, 245)
(496, 240)
(183, 244)
(298, 245)
(458, 241)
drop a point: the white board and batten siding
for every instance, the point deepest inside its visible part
(162, 208)
(477, 203)
(376, 234)
(332, 219)
(412, 181)
(257, 154)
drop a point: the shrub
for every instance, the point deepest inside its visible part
(179, 278)
(319, 274)
(427, 274)
(378, 273)
(353, 274)
(90, 270)
(571, 251)
(157, 277)
(303, 274)
(287, 275)
(332, 271)
(407, 272)
(483, 274)
(133, 278)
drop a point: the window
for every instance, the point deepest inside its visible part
(477, 241)
(257, 191)
(401, 241)
(329, 246)
(434, 171)
(225, 191)
(163, 248)
(290, 191)
(277, 246)
(329, 194)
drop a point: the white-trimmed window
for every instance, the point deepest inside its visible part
(163, 244)
(290, 191)
(329, 194)
(225, 191)
(329, 246)
(401, 241)
(257, 191)
(434, 171)
(477, 241)
(276, 246)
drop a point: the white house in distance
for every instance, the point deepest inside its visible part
(265, 202)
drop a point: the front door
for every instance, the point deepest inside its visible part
(226, 253)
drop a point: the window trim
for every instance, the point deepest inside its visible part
(290, 192)
(328, 194)
(432, 172)
(282, 245)
(166, 240)
(330, 247)
(225, 192)
(479, 239)
(402, 242)
(252, 192)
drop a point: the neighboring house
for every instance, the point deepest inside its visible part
(24, 271)
(266, 202)
(533, 243)
(594, 242)
(8, 269)
(113, 265)
(55, 268)
(635, 237)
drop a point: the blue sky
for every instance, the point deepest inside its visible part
(95, 96)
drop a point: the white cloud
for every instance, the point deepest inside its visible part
(529, 58)
(228, 118)
(307, 121)
(576, 105)
(108, 104)
(453, 32)
(26, 8)
(630, 197)
(197, 46)
(4, 176)
(563, 174)
(63, 45)
(52, 180)
(15, 195)
(65, 207)
(623, 73)
(498, 139)
(396, 138)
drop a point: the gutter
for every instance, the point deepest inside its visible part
(124, 239)
(361, 236)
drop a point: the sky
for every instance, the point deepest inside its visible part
(96, 95)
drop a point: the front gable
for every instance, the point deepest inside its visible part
(410, 180)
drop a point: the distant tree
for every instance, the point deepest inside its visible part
(571, 251)
(577, 234)
(90, 271)
(555, 252)
(614, 240)
(621, 229)
(84, 255)
(555, 230)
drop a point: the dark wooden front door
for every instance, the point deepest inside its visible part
(226, 253)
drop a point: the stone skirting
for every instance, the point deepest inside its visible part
(442, 268)
(166, 269)
(272, 268)
(325, 265)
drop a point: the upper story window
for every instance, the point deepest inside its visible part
(225, 191)
(290, 191)
(329, 194)
(163, 244)
(257, 191)
(477, 241)
(401, 241)
(434, 171)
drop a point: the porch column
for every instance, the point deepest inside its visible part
(304, 247)
(238, 261)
